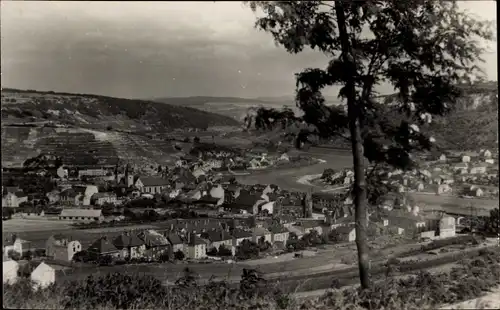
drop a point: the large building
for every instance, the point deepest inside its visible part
(81, 215)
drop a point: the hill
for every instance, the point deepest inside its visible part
(473, 122)
(90, 129)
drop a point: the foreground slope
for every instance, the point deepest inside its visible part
(93, 130)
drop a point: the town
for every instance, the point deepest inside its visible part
(250, 155)
(196, 212)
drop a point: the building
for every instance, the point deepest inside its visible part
(442, 158)
(461, 168)
(155, 243)
(487, 154)
(14, 199)
(101, 198)
(478, 169)
(103, 246)
(196, 247)
(259, 232)
(217, 238)
(346, 233)
(81, 215)
(239, 235)
(10, 270)
(466, 159)
(21, 246)
(176, 242)
(279, 235)
(151, 184)
(61, 247)
(130, 244)
(92, 172)
(43, 276)
(447, 227)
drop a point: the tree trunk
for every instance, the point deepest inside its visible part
(354, 112)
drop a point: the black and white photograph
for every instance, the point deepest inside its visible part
(230, 155)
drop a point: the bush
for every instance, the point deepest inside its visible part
(179, 255)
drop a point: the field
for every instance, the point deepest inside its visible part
(34, 225)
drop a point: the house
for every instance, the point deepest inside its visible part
(268, 207)
(447, 227)
(284, 157)
(10, 270)
(13, 200)
(446, 179)
(43, 276)
(62, 173)
(259, 232)
(61, 247)
(155, 243)
(489, 161)
(134, 247)
(461, 168)
(71, 197)
(442, 158)
(20, 246)
(103, 246)
(196, 247)
(81, 215)
(217, 192)
(474, 191)
(101, 198)
(346, 233)
(216, 238)
(248, 201)
(440, 188)
(176, 242)
(239, 235)
(92, 172)
(308, 226)
(408, 221)
(478, 169)
(87, 191)
(279, 235)
(487, 154)
(151, 184)
(466, 159)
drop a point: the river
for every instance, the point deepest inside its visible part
(287, 178)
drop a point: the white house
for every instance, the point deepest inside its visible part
(487, 154)
(478, 169)
(466, 159)
(21, 246)
(196, 247)
(259, 232)
(489, 161)
(10, 269)
(284, 157)
(346, 233)
(217, 192)
(442, 158)
(269, 206)
(43, 276)
(13, 200)
(447, 227)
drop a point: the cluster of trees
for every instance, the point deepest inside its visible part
(222, 251)
(249, 249)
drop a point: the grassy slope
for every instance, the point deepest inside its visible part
(90, 117)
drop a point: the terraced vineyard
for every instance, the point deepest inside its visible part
(93, 130)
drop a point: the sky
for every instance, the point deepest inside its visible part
(155, 49)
